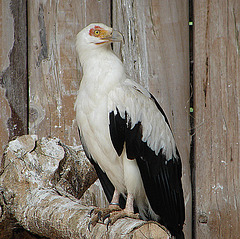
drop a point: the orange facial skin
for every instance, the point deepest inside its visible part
(99, 32)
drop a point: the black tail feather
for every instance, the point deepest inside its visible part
(180, 235)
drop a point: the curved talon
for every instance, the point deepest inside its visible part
(99, 215)
(89, 226)
(105, 217)
(90, 213)
(108, 223)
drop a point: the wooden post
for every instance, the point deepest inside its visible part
(216, 106)
(156, 54)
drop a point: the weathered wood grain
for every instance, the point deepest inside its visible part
(156, 54)
(54, 71)
(217, 118)
(4, 117)
(6, 42)
(13, 68)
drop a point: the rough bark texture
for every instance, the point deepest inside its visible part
(41, 183)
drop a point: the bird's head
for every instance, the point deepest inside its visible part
(96, 35)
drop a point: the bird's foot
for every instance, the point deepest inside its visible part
(115, 215)
(100, 214)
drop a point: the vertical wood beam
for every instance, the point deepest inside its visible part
(217, 117)
(54, 70)
(156, 54)
(14, 77)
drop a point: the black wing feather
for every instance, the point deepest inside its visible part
(161, 177)
(117, 131)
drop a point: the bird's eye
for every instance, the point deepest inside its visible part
(96, 32)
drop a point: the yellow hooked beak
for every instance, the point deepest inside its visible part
(113, 36)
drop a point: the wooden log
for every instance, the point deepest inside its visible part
(37, 191)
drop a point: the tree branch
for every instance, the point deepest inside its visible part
(41, 184)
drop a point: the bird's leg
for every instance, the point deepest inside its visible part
(114, 204)
(114, 212)
(129, 204)
(100, 214)
(127, 212)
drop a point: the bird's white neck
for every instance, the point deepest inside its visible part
(101, 68)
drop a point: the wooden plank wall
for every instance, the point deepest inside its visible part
(155, 54)
(54, 71)
(13, 70)
(217, 118)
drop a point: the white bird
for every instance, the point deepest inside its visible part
(127, 137)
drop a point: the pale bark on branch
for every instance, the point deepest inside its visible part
(41, 184)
